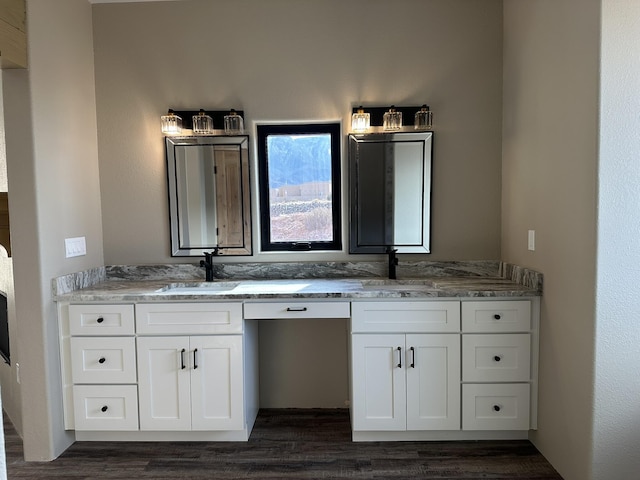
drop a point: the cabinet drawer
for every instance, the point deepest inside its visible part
(496, 358)
(105, 407)
(188, 318)
(496, 316)
(495, 407)
(103, 360)
(101, 320)
(296, 309)
(410, 317)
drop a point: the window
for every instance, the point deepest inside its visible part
(299, 176)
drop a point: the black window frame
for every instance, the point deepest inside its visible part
(263, 132)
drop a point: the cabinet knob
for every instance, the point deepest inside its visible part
(497, 408)
(100, 320)
(102, 360)
(497, 316)
(105, 408)
(497, 358)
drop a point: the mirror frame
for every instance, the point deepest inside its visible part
(355, 162)
(242, 141)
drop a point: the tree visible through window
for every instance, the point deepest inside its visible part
(299, 175)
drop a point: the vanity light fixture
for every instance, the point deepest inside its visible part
(233, 123)
(392, 119)
(171, 123)
(423, 118)
(360, 120)
(202, 123)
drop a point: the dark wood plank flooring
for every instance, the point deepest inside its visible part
(286, 444)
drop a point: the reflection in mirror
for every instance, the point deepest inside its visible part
(209, 200)
(390, 190)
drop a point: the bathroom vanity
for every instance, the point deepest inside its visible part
(432, 358)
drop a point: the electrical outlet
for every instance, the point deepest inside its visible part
(75, 247)
(532, 240)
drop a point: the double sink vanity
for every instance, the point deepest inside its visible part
(447, 351)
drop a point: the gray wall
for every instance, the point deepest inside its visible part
(51, 146)
(570, 171)
(288, 60)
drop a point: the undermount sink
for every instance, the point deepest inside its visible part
(199, 288)
(396, 283)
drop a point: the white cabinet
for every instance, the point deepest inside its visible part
(191, 383)
(405, 381)
(498, 370)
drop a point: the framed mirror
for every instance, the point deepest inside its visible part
(209, 195)
(390, 191)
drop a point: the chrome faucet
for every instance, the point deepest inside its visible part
(393, 262)
(207, 264)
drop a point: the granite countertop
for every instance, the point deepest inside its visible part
(169, 283)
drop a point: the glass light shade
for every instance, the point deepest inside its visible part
(171, 123)
(360, 121)
(392, 120)
(233, 123)
(202, 123)
(423, 119)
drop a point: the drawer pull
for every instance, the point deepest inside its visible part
(497, 358)
(104, 409)
(497, 316)
(399, 357)
(195, 359)
(296, 309)
(182, 359)
(102, 360)
(100, 320)
(413, 357)
(497, 408)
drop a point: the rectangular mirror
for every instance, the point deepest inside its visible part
(209, 195)
(390, 191)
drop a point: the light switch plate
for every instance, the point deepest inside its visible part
(532, 240)
(75, 247)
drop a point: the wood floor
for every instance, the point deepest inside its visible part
(286, 444)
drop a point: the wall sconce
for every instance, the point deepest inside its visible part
(202, 123)
(233, 123)
(171, 123)
(423, 118)
(392, 120)
(360, 120)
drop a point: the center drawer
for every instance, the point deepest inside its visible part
(293, 309)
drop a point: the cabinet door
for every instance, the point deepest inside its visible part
(433, 382)
(164, 383)
(378, 378)
(217, 383)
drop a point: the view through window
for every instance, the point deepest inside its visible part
(299, 168)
